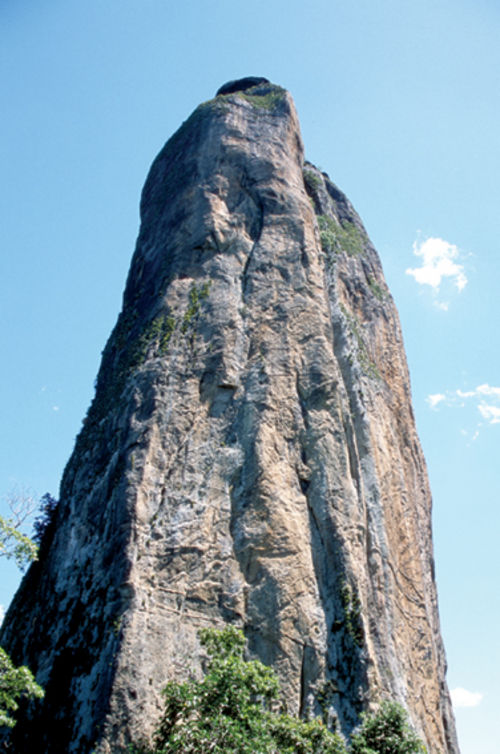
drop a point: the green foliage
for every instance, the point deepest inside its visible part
(14, 544)
(267, 100)
(376, 289)
(45, 519)
(366, 364)
(294, 736)
(159, 331)
(328, 233)
(386, 732)
(312, 181)
(232, 709)
(336, 238)
(196, 296)
(14, 684)
(352, 613)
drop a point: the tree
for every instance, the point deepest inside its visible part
(16, 682)
(45, 519)
(13, 543)
(234, 709)
(386, 732)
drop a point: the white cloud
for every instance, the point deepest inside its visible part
(466, 393)
(463, 698)
(2, 614)
(433, 400)
(489, 410)
(443, 305)
(438, 261)
(490, 413)
(488, 390)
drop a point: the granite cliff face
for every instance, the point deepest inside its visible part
(250, 456)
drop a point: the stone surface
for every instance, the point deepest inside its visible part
(250, 456)
(239, 85)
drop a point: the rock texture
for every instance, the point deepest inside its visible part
(250, 456)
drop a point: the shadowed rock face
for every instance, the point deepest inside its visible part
(250, 457)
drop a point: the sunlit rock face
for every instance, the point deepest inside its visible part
(250, 457)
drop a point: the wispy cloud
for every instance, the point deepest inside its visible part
(436, 399)
(438, 262)
(485, 397)
(463, 698)
(488, 390)
(490, 413)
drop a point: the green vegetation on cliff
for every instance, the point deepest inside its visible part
(336, 237)
(267, 99)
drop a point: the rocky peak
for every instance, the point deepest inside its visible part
(250, 457)
(240, 85)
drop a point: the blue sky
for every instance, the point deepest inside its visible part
(398, 102)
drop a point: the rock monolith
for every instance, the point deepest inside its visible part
(250, 457)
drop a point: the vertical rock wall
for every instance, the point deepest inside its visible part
(250, 456)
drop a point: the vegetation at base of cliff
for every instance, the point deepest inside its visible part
(16, 682)
(235, 709)
(386, 732)
(336, 237)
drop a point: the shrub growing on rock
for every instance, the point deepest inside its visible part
(386, 732)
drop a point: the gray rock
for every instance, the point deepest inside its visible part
(250, 457)
(240, 85)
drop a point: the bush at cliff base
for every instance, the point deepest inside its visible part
(14, 683)
(232, 709)
(386, 732)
